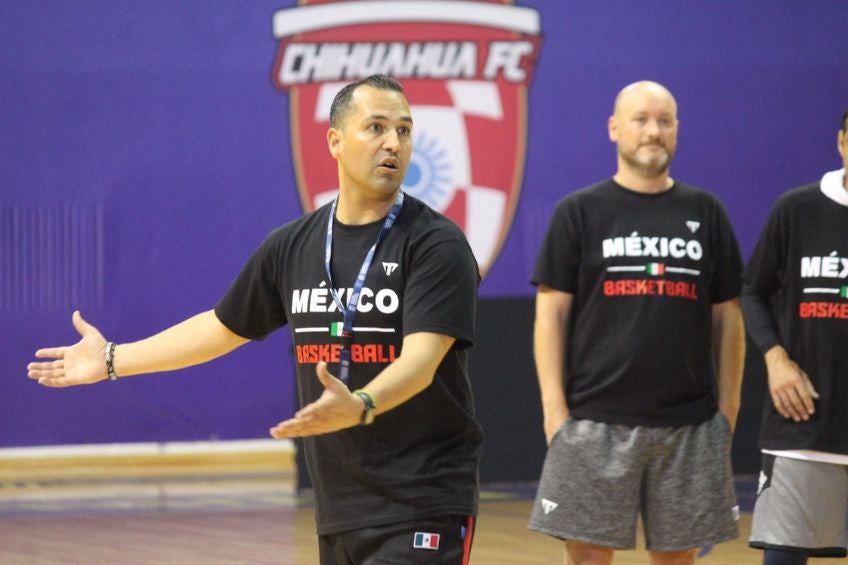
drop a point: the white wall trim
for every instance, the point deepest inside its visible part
(149, 449)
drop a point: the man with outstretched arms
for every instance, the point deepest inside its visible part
(379, 293)
(795, 298)
(639, 347)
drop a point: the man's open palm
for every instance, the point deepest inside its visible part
(81, 363)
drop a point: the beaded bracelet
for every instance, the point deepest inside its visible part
(109, 354)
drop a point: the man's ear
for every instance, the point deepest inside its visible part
(612, 129)
(334, 140)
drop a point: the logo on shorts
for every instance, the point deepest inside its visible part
(548, 506)
(761, 483)
(465, 67)
(425, 540)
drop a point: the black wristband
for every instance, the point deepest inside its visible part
(368, 412)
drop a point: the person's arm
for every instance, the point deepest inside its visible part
(338, 408)
(196, 340)
(790, 388)
(549, 342)
(729, 354)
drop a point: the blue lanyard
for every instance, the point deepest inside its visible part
(353, 299)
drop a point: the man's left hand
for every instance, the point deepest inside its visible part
(336, 409)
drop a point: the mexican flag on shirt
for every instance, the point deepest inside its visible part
(655, 268)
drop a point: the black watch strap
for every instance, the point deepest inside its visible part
(368, 410)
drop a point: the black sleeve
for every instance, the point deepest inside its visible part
(727, 276)
(558, 263)
(441, 291)
(762, 278)
(759, 320)
(253, 305)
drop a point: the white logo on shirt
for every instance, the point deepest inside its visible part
(693, 225)
(635, 245)
(385, 300)
(828, 266)
(389, 268)
(548, 506)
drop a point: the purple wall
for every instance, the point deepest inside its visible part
(144, 153)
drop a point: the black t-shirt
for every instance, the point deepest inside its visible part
(645, 270)
(800, 265)
(420, 459)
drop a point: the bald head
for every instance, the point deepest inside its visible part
(637, 92)
(644, 128)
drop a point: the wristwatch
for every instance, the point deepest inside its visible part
(368, 410)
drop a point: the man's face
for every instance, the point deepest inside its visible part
(842, 145)
(644, 127)
(373, 145)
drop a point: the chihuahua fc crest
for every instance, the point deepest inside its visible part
(465, 67)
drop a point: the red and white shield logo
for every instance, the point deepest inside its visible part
(464, 65)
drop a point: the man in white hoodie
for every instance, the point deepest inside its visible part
(795, 300)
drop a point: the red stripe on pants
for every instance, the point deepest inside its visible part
(469, 539)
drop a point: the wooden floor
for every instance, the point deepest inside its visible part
(167, 516)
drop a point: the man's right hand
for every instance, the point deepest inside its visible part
(792, 392)
(554, 419)
(81, 363)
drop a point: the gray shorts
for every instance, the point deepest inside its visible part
(598, 478)
(802, 505)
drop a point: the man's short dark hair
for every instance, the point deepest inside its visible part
(844, 128)
(341, 103)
